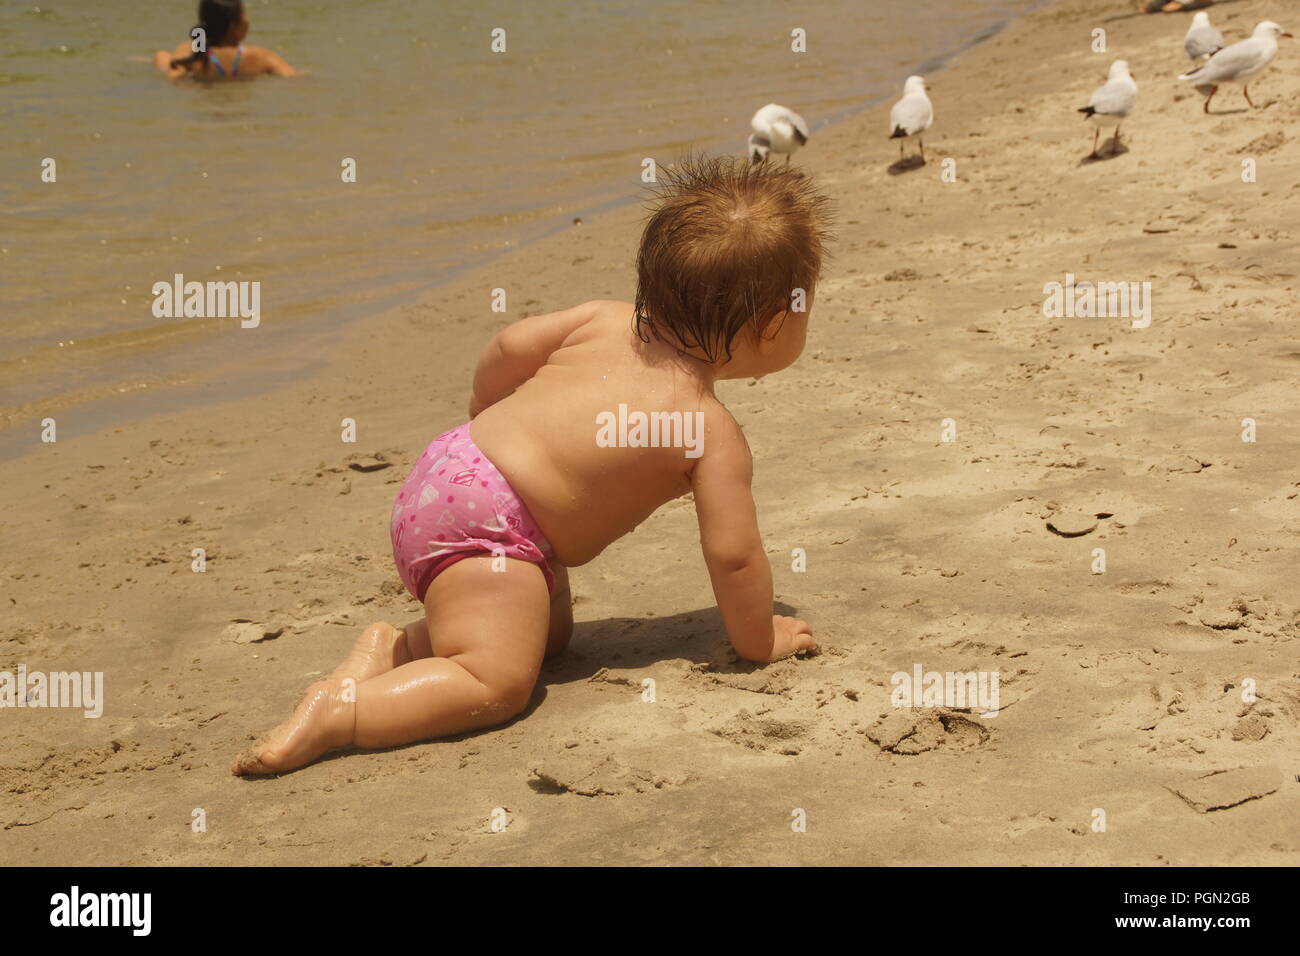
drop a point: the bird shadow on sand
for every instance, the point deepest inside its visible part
(1106, 151)
(1228, 112)
(907, 165)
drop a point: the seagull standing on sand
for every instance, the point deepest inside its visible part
(1202, 39)
(912, 115)
(1111, 103)
(776, 130)
(1239, 63)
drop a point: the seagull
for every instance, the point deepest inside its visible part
(912, 115)
(1239, 63)
(1111, 103)
(776, 130)
(1202, 39)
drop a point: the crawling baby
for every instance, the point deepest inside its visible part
(582, 423)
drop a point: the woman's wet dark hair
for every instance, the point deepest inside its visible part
(216, 18)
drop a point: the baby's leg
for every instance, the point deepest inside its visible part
(561, 627)
(379, 649)
(489, 632)
(381, 646)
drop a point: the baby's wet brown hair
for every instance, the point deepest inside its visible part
(726, 245)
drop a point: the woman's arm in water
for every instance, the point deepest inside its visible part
(163, 60)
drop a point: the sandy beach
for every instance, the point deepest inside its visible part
(1125, 695)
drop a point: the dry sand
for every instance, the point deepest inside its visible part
(1120, 691)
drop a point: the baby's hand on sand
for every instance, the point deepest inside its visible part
(791, 636)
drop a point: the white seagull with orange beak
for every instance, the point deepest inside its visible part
(1239, 63)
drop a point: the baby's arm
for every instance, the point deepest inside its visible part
(516, 353)
(733, 549)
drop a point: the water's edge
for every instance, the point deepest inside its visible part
(133, 406)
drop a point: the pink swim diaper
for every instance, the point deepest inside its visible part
(455, 505)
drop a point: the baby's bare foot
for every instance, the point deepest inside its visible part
(379, 649)
(323, 721)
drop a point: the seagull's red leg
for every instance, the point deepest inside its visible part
(1213, 90)
(1114, 143)
(920, 144)
(1245, 88)
(1096, 133)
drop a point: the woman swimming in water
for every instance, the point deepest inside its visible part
(223, 53)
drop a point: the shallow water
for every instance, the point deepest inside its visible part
(461, 154)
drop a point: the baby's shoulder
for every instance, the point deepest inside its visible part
(609, 306)
(608, 314)
(721, 430)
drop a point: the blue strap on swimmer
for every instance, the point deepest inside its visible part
(234, 70)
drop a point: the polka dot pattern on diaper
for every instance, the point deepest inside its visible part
(453, 460)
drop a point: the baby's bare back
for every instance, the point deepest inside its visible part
(572, 439)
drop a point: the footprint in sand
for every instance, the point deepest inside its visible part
(768, 734)
(597, 777)
(914, 732)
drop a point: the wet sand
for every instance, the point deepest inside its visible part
(1121, 691)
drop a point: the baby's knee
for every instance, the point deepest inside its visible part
(515, 698)
(510, 694)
